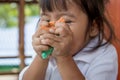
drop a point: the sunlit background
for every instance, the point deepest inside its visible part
(10, 61)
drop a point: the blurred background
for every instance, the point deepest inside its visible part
(18, 20)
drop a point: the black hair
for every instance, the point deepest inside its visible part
(94, 9)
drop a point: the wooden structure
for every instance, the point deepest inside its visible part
(21, 5)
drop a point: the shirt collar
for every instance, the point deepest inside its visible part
(88, 56)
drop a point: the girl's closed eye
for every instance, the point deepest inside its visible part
(68, 21)
(45, 18)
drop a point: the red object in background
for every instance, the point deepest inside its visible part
(114, 13)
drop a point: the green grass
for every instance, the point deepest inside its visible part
(9, 68)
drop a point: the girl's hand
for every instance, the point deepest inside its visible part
(60, 38)
(37, 40)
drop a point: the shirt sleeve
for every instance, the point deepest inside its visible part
(22, 73)
(105, 67)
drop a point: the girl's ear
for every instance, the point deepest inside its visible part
(94, 30)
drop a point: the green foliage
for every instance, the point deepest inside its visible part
(31, 10)
(9, 14)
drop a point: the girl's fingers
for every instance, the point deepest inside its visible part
(50, 42)
(47, 42)
(62, 29)
(51, 36)
(39, 30)
(40, 48)
(36, 41)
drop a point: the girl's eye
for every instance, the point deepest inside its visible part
(68, 21)
(47, 20)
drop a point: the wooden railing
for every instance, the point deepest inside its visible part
(21, 4)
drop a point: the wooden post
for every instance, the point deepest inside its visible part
(21, 33)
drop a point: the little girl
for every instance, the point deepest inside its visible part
(82, 50)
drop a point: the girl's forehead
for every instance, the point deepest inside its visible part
(51, 5)
(58, 14)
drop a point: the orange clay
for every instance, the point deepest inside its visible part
(52, 24)
(45, 28)
(61, 20)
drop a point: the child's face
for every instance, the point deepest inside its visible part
(77, 21)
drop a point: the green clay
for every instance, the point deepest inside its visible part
(46, 53)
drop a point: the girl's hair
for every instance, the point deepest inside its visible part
(94, 9)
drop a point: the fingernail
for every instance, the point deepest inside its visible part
(43, 41)
(41, 37)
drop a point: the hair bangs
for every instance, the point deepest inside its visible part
(51, 5)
